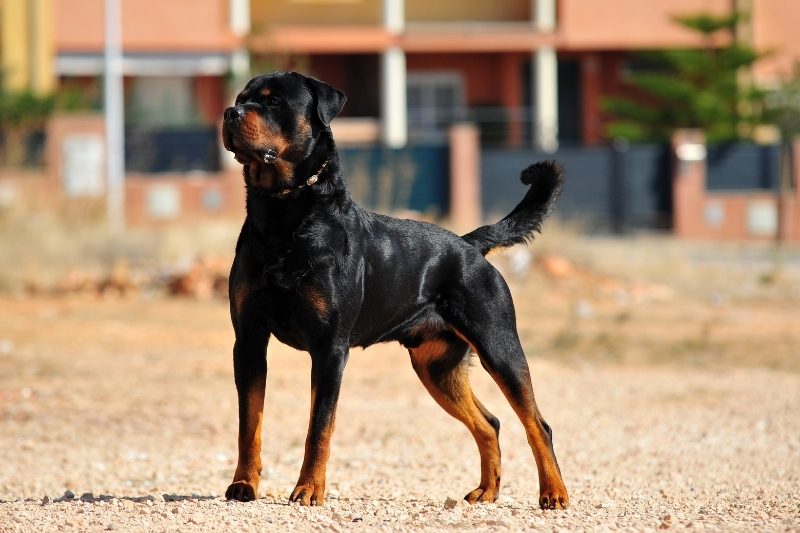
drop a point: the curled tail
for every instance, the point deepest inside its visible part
(545, 179)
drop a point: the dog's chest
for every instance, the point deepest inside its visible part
(285, 269)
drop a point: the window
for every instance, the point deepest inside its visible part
(435, 100)
(160, 102)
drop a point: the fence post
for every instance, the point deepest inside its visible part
(619, 219)
(465, 185)
(688, 182)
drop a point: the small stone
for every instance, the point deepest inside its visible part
(110, 526)
(68, 495)
(450, 503)
(46, 500)
(87, 497)
(176, 510)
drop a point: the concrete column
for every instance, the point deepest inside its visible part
(394, 123)
(545, 86)
(43, 80)
(239, 19)
(465, 178)
(239, 22)
(592, 127)
(511, 95)
(14, 44)
(688, 183)
(545, 97)
(114, 108)
(394, 119)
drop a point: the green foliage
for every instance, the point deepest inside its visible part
(783, 106)
(24, 113)
(708, 24)
(690, 88)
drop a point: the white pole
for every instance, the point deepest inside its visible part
(545, 88)
(115, 118)
(546, 98)
(394, 120)
(393, 97)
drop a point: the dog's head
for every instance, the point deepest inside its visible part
(275, 124)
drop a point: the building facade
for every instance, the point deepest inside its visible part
(526, 71)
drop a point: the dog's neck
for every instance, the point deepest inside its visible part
(277, 213)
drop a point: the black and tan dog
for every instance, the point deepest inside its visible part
(322, 274)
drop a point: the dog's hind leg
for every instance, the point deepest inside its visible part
(487, 322)
(441, 367)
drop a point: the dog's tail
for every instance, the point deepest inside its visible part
(546, 179)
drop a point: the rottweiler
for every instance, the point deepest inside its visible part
(322, 274)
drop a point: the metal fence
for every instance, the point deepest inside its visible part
(415, 178)
(743, 166)
(24, 150)
(153, 151)
(616, 188)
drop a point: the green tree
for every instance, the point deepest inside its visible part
(24, 113)
(691, 88)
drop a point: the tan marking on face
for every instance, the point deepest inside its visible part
(304, 126)
(266, 92)
(261, 136)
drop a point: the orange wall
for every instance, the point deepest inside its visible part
(325, 12)
(626, 24)
(775, 27)
(313, 12)
(461, 11)
(175, 25)
(481, 73)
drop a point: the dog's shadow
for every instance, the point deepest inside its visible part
(90, 498)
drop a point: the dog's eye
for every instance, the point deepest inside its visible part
(273, 101)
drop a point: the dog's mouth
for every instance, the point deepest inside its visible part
(245, 154)
(269, 156)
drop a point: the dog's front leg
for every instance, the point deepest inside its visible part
(327, 368)
(250, 374)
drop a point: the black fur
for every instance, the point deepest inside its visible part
(546, 179)
(322, 274)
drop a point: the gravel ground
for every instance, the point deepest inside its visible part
(122, 415)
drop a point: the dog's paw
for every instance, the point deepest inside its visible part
(482, 495)
(308, 494)
(554, 498)
(242, 491)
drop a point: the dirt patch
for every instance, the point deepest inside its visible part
(129, 404)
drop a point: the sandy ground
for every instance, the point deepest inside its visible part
(668, 413)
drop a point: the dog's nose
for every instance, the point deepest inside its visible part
(233, 113)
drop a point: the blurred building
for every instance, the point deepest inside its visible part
(530, 74)
(523, 70)
(178, 55)
(26, 45)
(526, 71)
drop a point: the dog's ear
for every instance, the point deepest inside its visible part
(330, 100)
